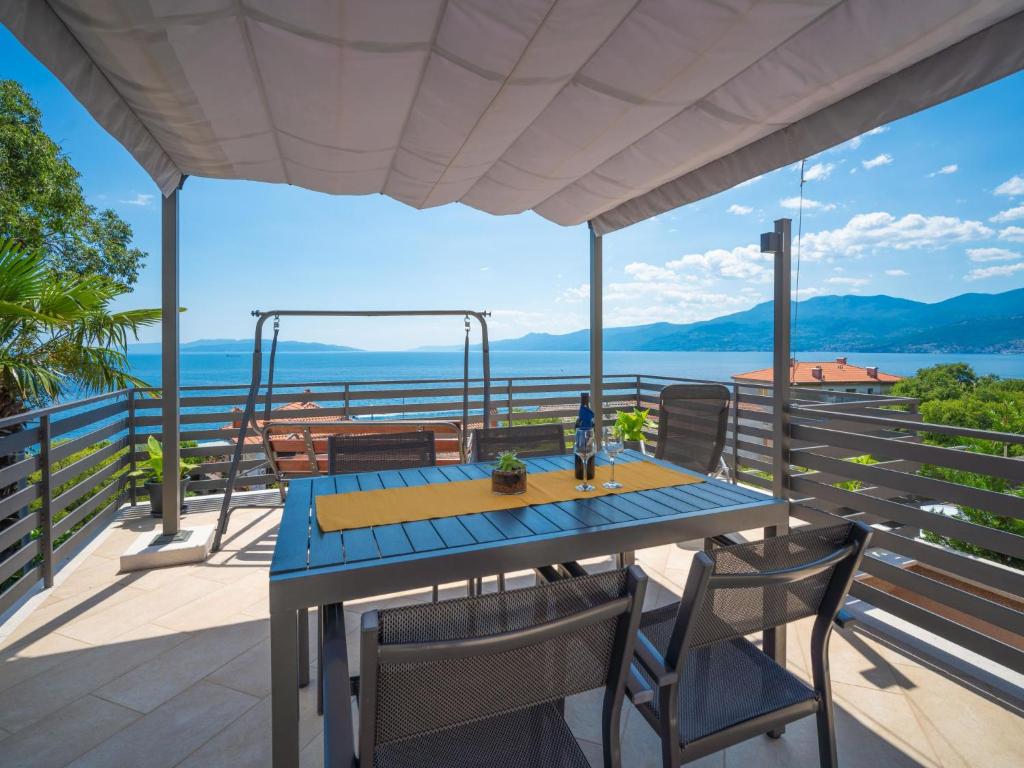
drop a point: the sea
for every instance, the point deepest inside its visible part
(211, 369)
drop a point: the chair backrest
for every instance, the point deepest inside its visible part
(426, 668)
(372, 453)
(734, 591)
(692, 421)
(526, 441)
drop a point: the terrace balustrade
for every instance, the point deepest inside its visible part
(64, 477)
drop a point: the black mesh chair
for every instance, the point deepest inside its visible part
(481, 681)
(714, 687)
(692, 420)
(526, 441)
(372, 453)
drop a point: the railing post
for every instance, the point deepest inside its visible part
(735, 432)
(509, 393)
(638, 391)
(347, 393)
(46, 501)
(133, 489)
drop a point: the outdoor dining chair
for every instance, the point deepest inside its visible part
(526, 441)
(715, 688)
(481, 681)
(374, 453)
(692, 420)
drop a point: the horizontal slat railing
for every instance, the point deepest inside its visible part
(95, 441)
(938, 562)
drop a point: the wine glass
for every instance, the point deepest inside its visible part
(613, 447)
(584, 446)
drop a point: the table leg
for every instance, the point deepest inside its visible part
(774, 640)
(303, 647)
(284, 673)
(339, 745)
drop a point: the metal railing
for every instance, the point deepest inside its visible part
(66, 466)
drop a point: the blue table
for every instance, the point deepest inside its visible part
(311, 568)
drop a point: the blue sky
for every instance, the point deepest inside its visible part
(926, 208)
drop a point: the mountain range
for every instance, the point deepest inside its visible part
(207, 346)
(971, 322)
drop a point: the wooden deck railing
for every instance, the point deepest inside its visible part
(63, 475)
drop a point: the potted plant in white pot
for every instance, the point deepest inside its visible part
(152, 472)
(630, 427)
(509, 475)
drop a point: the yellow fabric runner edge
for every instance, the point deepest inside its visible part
(359, 509)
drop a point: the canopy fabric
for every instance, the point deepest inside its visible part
(604, 110)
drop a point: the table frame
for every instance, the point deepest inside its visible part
(312, 569)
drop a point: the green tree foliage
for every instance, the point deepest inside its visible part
(955, 395)
(58, 333)
(939, 382)
(42, 205)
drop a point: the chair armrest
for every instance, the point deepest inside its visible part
(637, 689)
(846, 620)
(653, 662)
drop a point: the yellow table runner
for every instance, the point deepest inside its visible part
(343, 511)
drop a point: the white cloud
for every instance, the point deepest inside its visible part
(1010, 214)
(740, 210)
(793, 203)
(745, 261)
(1004, 270)
(882, 230)
(896, 273)
(945, 170)
(853, 282)
(748, 182)
(1013, 186)
(484, 269)
(580, 293)
(991, 254)
(648, 273)
(818, 171)
(140, 200)
(875, 162)
(511, 323)
(1013, 234)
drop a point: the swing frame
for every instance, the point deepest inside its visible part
(249, 414)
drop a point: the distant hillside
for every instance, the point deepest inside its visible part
(972, 322)
(211, 346)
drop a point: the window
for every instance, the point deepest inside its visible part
(851, 389)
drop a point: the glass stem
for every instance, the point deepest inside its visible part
(613, 468)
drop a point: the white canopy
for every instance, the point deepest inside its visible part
(603, 110)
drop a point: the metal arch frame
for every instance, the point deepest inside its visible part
(257, 373)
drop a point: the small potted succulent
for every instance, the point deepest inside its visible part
(630, 427)
(509, 475)
(152, 471)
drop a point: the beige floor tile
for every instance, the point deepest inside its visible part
(67, 733)
(888, 718)
(34, 656)
(215, 605)
(98, 626)
(245, 743)
(173, 731)
(963, 724)
(80, 673)
(148, 686)
(249, 672)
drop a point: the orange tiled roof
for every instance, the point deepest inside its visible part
(837, 371)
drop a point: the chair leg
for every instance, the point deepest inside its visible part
(434, 593)
(501, 582)
(828, 755)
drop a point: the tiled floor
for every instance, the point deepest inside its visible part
(171, 667)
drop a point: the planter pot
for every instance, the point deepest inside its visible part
(508, 483)
(635, 445)
(156, 497)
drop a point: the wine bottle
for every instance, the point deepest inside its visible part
(584, 420)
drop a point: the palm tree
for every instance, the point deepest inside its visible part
(58, 333)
